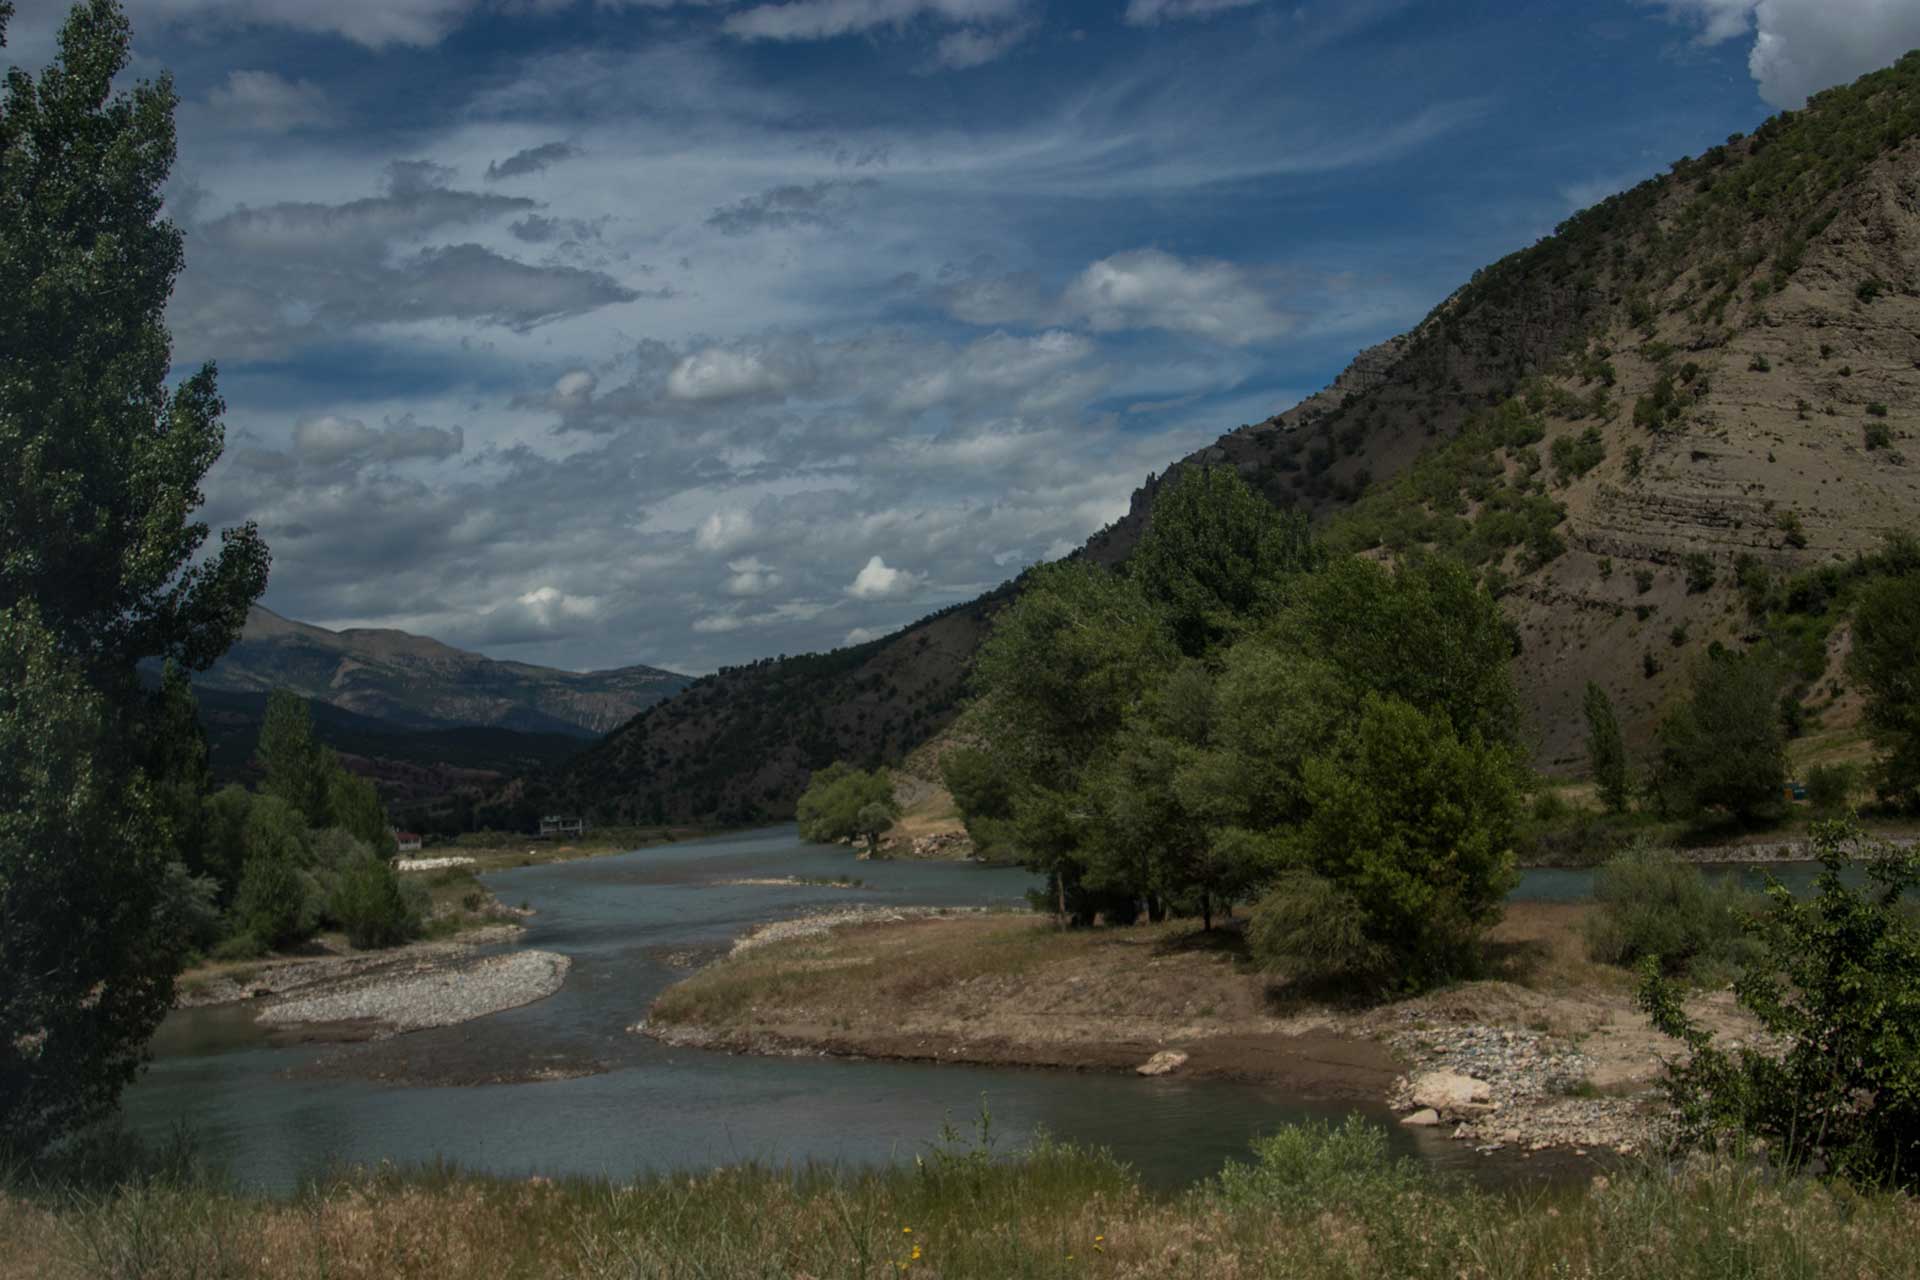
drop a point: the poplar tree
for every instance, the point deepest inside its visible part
(100, 568)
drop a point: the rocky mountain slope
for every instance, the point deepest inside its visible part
(1712, 376)
(412, 682)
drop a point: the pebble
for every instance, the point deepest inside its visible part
(439, 997)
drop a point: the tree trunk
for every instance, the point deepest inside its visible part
(1206, 910)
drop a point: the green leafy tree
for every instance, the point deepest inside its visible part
(830, 808)
(367, 903)
(1839, 985)
(1063, 668)
(87, 953)
(873, 821)
(1723, 748)
(299, 770)
(1886, 662)
(982, 788)
(103, 463)
(1606, 749)
(353, 803)
(1416, 826)
(1214, 555)
(101, 566)
(223, 848)
(275, 901)
(1424, 631)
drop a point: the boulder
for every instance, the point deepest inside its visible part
(1453, 1095)
(1422, 1118)
(1162, 1062)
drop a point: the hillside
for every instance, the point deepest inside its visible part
(737, 746)
(1713, 376)
(411, 682)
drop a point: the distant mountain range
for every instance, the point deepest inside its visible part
(413, 683)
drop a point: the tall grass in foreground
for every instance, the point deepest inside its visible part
(1313, 1203)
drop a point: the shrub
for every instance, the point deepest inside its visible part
(1653, 905)
(368, 905)
(1700, 572)
(1869, 290)
(1643, 580)
(1878, 436)
(1760, 364)
(1315, 1168)
(1840, 985)
(1876, 410)
(1308, 932)
(274, 903)
(1830, 786)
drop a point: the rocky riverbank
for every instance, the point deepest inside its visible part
(1550, 1054)
(413, 994)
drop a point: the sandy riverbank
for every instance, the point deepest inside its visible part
(1565, 1058)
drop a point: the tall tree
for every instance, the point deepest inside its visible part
(298, 767)
(99, 569)
(1723, 748)
(1215, 555)
(1886, 661)
(1606, 749)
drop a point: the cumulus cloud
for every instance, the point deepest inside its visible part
(329, 440)
(878, 581)
(1150, 289)
(1144, 13)
(723, 373)
(264, 102)
(1803, 46)
(531, 160)
(750, 577)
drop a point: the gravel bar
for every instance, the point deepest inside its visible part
(438, 997)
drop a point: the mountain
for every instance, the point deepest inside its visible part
(410, 682)
(1713, 376)
(737, 746)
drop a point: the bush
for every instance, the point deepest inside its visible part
(274, 904)
(368, 904)
(1700, 572)
(1841, 987)
(1308, 932)
(1830, 787)
(1653, 905)
(1878, 436)
(1316, 1168)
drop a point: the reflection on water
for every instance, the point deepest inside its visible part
(631, 925)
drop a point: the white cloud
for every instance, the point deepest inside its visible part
(1143, 13)
(329, 439)
(575, 386)
(878, 581)
(1803, 46)
(977, 46)
(825, 19)
(1150, 289)
(542, 614)
(724, 374)
(750, 577)
(860, 635)
(267, 103)
(724, 531)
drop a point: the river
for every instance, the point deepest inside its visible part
(632, 924)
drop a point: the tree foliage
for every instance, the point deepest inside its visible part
(1886, 661)
(831, 807)
(101, 565)
(1839, 983)
(103, 463)
(1606, 749)
(1723, 748)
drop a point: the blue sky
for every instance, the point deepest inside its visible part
(589, 332)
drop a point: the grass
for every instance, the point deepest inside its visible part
(1313, 1204)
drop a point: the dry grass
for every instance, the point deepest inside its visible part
(1314, 1207)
